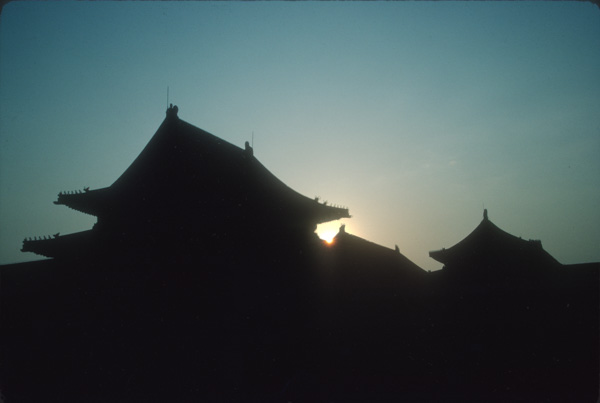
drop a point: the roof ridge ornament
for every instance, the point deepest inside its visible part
(172, 111)
(485, 215)
(248, 149)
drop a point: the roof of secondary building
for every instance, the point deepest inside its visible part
(489, 245)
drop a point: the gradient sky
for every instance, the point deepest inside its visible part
(413, 114)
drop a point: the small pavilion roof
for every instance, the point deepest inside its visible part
(490, 245)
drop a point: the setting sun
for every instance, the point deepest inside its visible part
(327, 231)
(328, 236)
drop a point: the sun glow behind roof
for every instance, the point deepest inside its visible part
(327, 231)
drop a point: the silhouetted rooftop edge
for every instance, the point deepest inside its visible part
(488, 242)
(354, 247)
(188, 176)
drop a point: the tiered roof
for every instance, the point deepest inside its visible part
(189, 181)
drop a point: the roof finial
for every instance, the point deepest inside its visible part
(172, 111)
(248, 149)
(485, 214)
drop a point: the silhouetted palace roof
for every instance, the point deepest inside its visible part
(488, 245)
(359, 252)
(188, 180)
(182, 161)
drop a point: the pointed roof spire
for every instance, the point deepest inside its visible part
(485, 215)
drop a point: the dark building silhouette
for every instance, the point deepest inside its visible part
(490, 249)
(375, 269)
(517, 324)
(203, 280)
(186, 189)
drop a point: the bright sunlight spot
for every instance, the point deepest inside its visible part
(328, 230)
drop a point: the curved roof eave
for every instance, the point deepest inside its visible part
(484, 235)
(87, 201)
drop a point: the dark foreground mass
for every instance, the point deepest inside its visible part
(203, 281)
(295, 321)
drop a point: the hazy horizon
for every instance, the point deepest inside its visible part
(415, 115)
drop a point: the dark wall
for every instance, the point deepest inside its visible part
(292, 320)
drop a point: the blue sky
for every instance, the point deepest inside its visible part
(413, 114)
